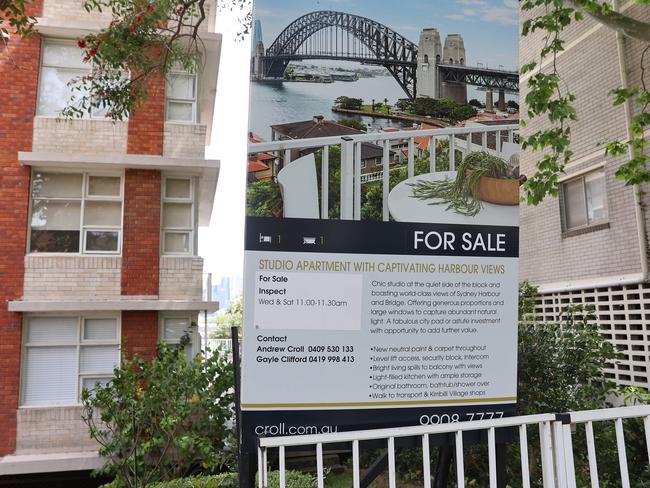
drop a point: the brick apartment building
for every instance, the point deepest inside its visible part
(98, 233)
(589, 246)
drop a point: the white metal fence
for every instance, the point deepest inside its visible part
(461, 141)
(556, 434)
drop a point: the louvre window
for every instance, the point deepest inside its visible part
(174, 327)
(64, 354)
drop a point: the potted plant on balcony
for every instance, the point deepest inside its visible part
(480, 177)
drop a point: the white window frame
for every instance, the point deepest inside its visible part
(178, 230)
(194, 336)
(85, 197)
(42, 65)
(582, 176)
(80, 342)
(193, 101)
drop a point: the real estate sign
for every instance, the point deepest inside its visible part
(377, 293)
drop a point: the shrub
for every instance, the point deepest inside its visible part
(163, 419)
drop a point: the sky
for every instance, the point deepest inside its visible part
(489, 28)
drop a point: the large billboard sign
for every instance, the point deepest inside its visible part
(381, 243)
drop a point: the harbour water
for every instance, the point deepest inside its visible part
(283, 102)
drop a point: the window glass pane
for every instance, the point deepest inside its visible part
(174, 328)
(90, 383)
(180, 86)
(596, 201)
(98, 359)
(180, 111)
(100, 329)
(177, 242)
(56, 214)
(104, 186)
(54, 241)
(48, 330)
(50, 375)
(97, 240)
(64, 55)
(177, 188)
(574, 204)
(56, 185)
(103, 213)
(177, 215)
(54, 93)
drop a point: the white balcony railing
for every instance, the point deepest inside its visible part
(556, 447)
(462, 141)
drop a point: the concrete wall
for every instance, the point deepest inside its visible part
(431, 47)
(181, 278)
(66, 277)
(79, 136)
(52, 429)
(184, 140)
(590, 68)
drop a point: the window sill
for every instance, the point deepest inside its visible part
(585, 230)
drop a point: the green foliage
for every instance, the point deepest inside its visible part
(462, 194)
(145, 40)
(223, 480)
(512, 104)
(405, 105)
(548, 96)
(231, 317)
(349, 103)
(443, 108)
(293, 479)
(527, 294)
(355, 124)
(14, 18)
(476, 103)
(163, 419)
(263, 199)
(561, 365)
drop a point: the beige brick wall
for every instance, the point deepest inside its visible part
(79, 136)
(181, 278)
(72, 277)
(52, 429)
(590, 69)
(184, 140)
(73, 10)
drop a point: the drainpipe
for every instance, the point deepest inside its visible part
(638, 204)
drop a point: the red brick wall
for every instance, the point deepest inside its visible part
(147, 121)
(19, 71)
(141, 241)
(140, 333)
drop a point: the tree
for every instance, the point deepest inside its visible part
(163, 419)
(355, 124)
(233, 316)
(548, 95)
(145, 40)
(443, 108)
(512, 104)
(404, 105)
(349, 103)
(476, 103)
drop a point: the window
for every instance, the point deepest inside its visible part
(178, 215)
(181, 97)
(73, 212)
(174, 326)
(584, 200)
(61, 62)
(63, 354)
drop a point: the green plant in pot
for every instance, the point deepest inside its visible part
(480, 177)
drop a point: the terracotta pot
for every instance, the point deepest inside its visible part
(498, 191)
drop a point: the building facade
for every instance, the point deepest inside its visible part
(98, 254)
(589, 246)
